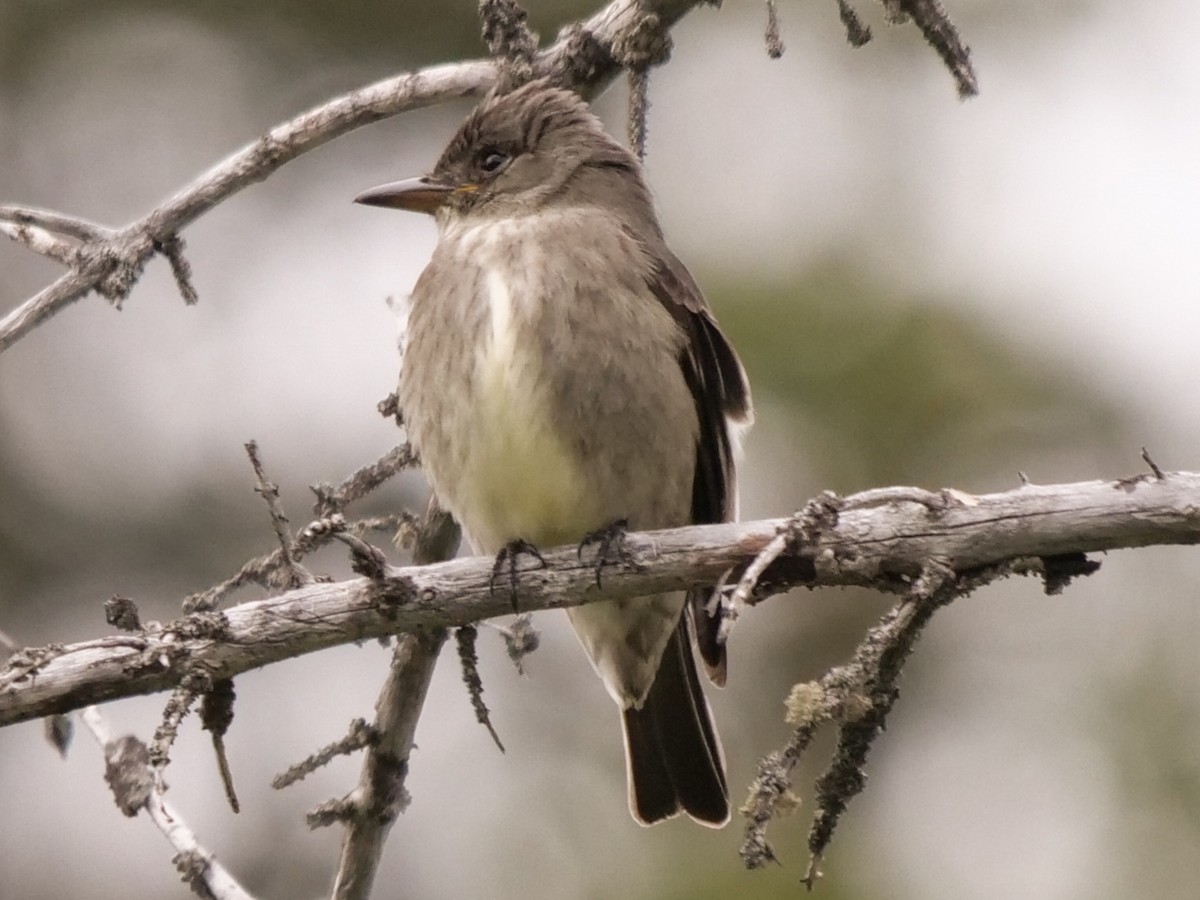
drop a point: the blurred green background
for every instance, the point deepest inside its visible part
(924, 292)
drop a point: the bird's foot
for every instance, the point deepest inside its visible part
(507, 557)
(611, 549)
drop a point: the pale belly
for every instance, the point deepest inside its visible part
(520, 478)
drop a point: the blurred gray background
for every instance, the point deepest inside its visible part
(925, 291)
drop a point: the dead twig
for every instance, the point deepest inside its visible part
(128, 772)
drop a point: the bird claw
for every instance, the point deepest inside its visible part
(611, 549)
(508, 556)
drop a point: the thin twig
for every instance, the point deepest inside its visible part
(41, 242)
(364, 558)
(509, 40)
(857, 32)
(773, 39)
(468, 659)
(182, 699)
(765, 559)
(941, 34)
(264, 570)
(331, 500)
(645, 44)
(172, 248)
(127, 761)
(639, 110)
(858, 695)
(296, 574)
(804, 528)
(1158, 473)
(358, 736)
(60, 223)
(216, 715)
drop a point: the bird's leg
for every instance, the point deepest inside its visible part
(611, 548)
(508, 556)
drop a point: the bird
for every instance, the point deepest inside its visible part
(564, 379)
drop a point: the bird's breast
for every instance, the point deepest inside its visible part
(523, 479)
(542, 385)
(514, 471)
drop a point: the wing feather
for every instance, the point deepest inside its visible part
(722, 395)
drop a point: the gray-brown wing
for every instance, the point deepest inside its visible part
(722, 396)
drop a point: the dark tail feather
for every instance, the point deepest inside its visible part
(672, 751)
(707, 629)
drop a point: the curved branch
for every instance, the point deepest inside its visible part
(884, 539)
(112, 263)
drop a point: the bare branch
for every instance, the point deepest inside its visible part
(264, 570)
(332, 499)
(381, 796)
(111, 263)
(128, 771)
(216, 715)
(857, 33)
(933, 21)
(465, 637)
(296, 574)
(509, 39)
(884, 545)
(369, 811)
(586, 56)
(773, 38)
(359, 735)
(59, 223)
(41, 241)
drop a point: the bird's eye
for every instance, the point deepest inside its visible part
(493, 161)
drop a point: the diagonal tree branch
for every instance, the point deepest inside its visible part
(883, 539)
(586, 57)
(127, 764)
(112, 263)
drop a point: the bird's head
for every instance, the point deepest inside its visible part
(519, 152)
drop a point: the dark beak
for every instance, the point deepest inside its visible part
(414, 194)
